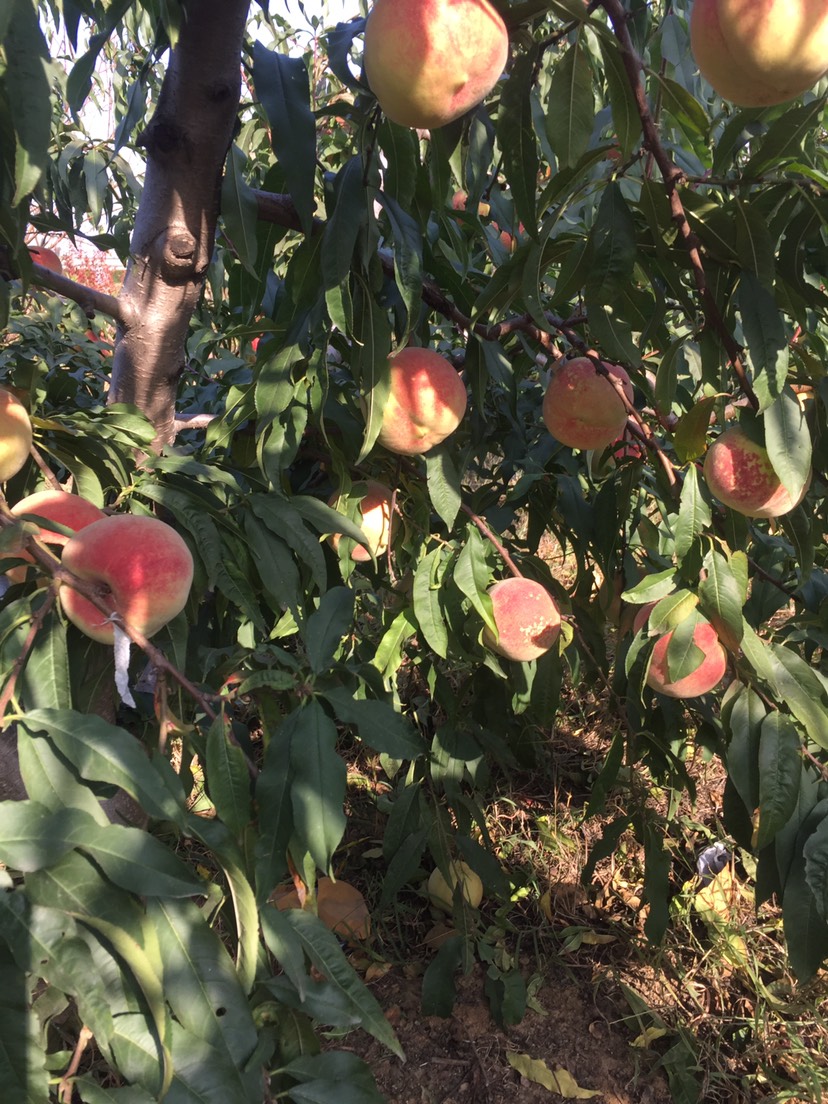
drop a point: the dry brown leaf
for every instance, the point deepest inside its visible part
(557, 1080)
(339, 905)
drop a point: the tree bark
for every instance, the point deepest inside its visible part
(186, 143)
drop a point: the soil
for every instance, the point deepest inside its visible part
(462, 1060)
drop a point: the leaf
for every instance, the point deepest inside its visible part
(327, 625)
(427, 606)
(471, 574)
(324, 952)
(283, 88)
(690, 435)
(652, 588)
(722, 595)
(788, 442)
(766, 338)
(275, 818)
(22, 1061)
(694, 513)
(104, 753)
(228, 777)
(32, 836)
(816, 867)
(408, 258)
(780, 767)
(516, 136)
(625, 117)
(806, 932)
(439, 992)
(557, 1080)
(318, 788)
(443, 484)
(345, 224)
(379, 725)
(239, 210)
(570, 108)
(614, 243)
(28, 87)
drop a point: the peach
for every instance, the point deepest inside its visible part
(430, 61)
(527, 618)
(459, 200)
(581, 408)
(54, 505)
(760, 52)
(377, 523)
(46, 257)
(426, 402)
(15, 435)
(141, 565)
(740, 474)
(708, 674)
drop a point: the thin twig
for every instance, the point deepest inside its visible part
(489, 535)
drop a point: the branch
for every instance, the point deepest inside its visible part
(673, 176)
(90, 299)
(489, 535)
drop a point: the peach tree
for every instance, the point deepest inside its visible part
(280, 236)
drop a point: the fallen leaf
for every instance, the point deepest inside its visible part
(339, 905)
(647, 1036)
(557, 1080)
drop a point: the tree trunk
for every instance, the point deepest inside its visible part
(186, 142)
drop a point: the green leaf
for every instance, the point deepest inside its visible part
(28, 86)
(625, 115)
(785, 137)
(754, 244)
(439, 990)
(570, 108)
(766, 338)
(318, 788)
(690, 437)
(136, 861)
(471, 574)
(652, 588)
(780, 767)
(283, 88)
(239, 210)
(806, 932)
(22, 1061)
(694, 516)
(32, 836)
(722, 596)
(372, 333)
(427, 606)
(323, 950)
(614, 243)
(408, 258)
(656, 882)
(327, 625)
(816, 867)
(345, 224)
(788, 442)
(228, 777)
(379, 725)
(443, 484)
(516, 136)
(742, 757)
(105, 753)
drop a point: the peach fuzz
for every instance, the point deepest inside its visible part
(581, 408)
(15, 435)
(141, 566)
(740, 474)
(708, 674)
(376, 523)
(760, 52)
(527, 618)
(60, 506)
(430, 61)
(426, 402)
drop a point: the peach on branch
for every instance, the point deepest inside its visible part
(426, 402)
(140, 566)
(581, 407)
(430, 61)
(460, 199)
(708, 674)
(740, 474)
(376, 522)
(70, 510)
(760, 52)
(527, 618)
(15, 435)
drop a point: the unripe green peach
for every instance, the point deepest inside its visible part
(426, 402)
(15, 435)
(739, 473)
(527, 618)
(707, 675)
(581, 407)
(141, 566)
(430, 61)
(760, 52)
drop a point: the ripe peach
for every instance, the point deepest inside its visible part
(708, 674)
(527, 618)
(377, 523)
(426, 402)
(46, 257)
(760, 52)
(581, 408)
(739, 473)
(459, 200)
(15, 435)
(66, 509)
(141, 565)
(431, 61)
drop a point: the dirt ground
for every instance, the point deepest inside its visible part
(462, 1060)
